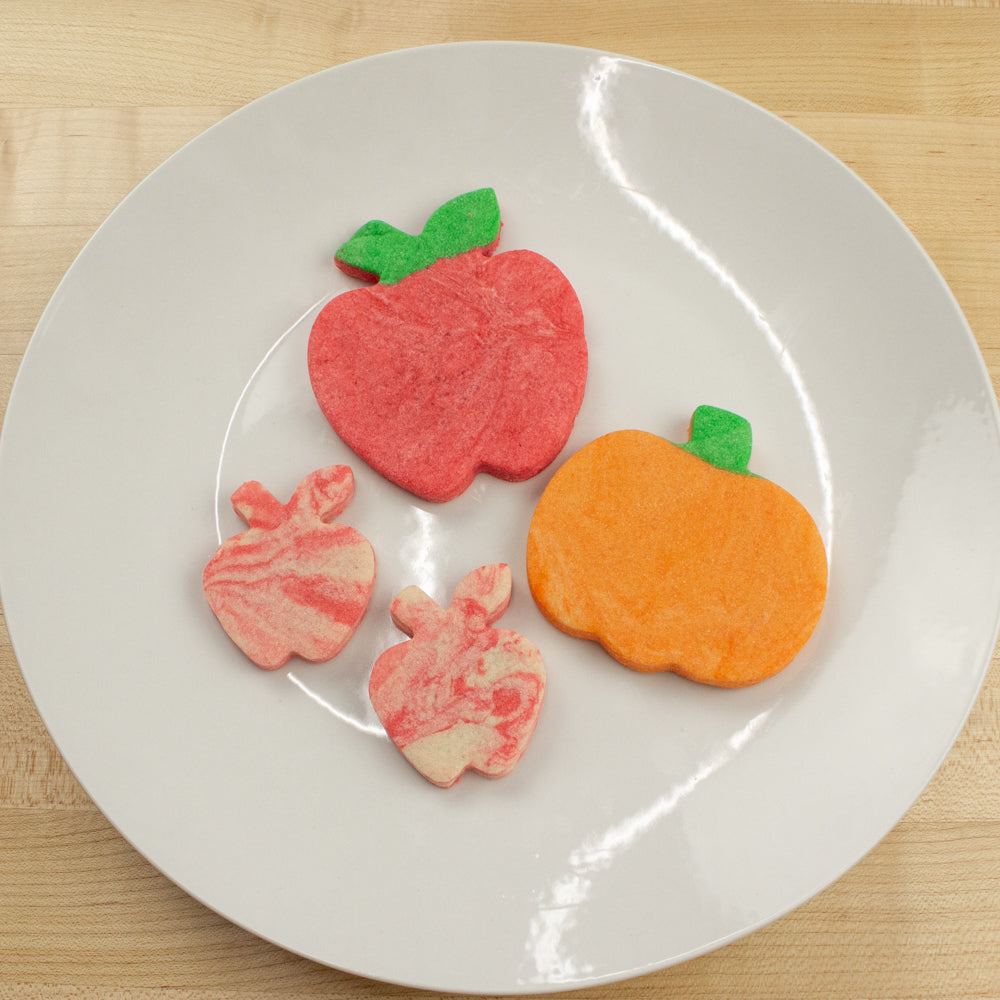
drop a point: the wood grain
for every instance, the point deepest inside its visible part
(95, 94)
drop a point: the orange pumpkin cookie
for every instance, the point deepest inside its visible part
(677, 557)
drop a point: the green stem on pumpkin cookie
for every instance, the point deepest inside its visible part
(380, 252)
(720, 438)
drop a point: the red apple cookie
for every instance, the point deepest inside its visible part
(459, 694)
(457, 361)
(295, 583)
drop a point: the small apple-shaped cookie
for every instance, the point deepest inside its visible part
(294, 583)
(459, 694)
(677, 557)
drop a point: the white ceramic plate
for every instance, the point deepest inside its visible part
(721, 257)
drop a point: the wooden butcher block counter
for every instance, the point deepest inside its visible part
(95, 94)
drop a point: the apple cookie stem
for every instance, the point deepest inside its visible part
(484, 594)
(415, 613)
(323, 494)
(480, 598)
(380, 252)
(721, 438)
(257, 505)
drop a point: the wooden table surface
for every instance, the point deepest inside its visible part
(96, 93)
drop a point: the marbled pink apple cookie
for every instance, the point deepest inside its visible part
(459, 694)
(294, 583)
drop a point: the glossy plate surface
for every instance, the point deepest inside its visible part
(721, 257)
